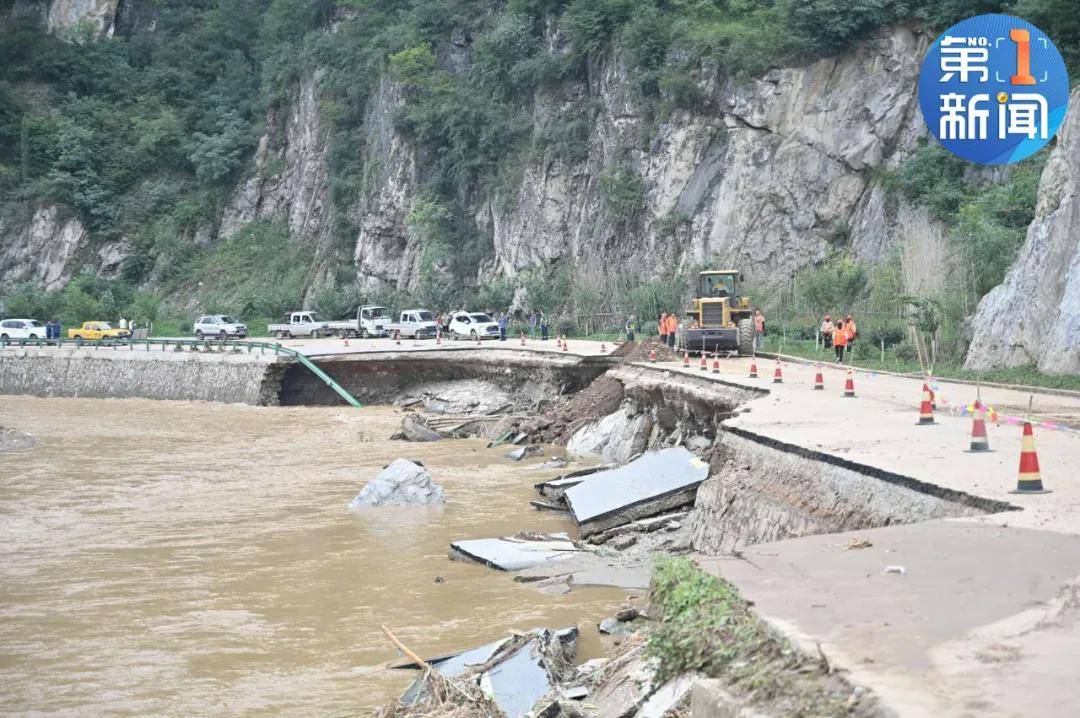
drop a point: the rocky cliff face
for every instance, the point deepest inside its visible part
(771, 181)
(63, 16)
(40, 248)
(1033, 317)
(288, 181)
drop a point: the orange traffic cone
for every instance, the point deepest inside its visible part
(686, 359)
(652, 356)
(849, 385)
(344, 341)
(397, 337)
(523, 339)
(753, 369)
(979, 440)
(1030, 481)
(777, 377)
(926, 409)
(715, 363)
(438, 339)
(565, 345)
(704, 366)
(603, 348)
(819, 381)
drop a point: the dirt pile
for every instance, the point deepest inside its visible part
(558, 423)
(639, 351)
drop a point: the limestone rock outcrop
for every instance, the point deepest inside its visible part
(1033, 317)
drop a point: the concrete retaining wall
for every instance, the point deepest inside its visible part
(759, 493)
(122, 372)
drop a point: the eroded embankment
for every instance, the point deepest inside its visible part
(124, 372)
(759, 489)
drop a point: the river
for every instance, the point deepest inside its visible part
(195, 558)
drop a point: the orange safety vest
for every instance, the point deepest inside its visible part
(849, 329)
(673, 325)
(839, 337)
(662, 325)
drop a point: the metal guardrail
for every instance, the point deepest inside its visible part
(231, 345)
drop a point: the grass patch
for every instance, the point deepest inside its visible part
(868, 356)
(704, 625)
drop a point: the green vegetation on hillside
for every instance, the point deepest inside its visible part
(145, 135)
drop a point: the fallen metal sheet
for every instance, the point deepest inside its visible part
(450, 665)
(513, 554)
(658, 482)
(555, 488)
(517, 681)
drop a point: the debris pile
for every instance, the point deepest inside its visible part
(639, 351)
(504, 678)
(415, 428)
(559, 422)
(401, 483)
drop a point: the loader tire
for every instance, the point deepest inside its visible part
(746, 336)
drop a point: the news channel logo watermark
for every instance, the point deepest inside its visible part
(993, 89)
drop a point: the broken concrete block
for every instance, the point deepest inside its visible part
(401, 483)
(658, 482)
(627, 614)
(615, 627)
(626, 688)
(414, 428)
(710, 699)
(621, 543)
(513, 553)
(667, 696)
(697, 443)
(522, 451)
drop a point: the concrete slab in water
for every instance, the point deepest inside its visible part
(515, 554)
(659, 481)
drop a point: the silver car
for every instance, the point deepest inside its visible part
(219, 326)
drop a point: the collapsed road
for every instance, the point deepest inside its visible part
(811, 480)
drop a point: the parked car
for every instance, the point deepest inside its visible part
(22, 329)
(96, 331)
(370, 321)
(415, 323)
(300, 324)
(473, 325)
(219, 326)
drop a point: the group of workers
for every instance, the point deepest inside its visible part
(842, 334)
(668, 325)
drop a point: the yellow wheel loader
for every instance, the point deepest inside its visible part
(718, 320)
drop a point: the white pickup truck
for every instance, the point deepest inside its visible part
(415, 323)
(371, 321)
(300, 324)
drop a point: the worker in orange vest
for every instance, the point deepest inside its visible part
(673, 328)
(662, 325)
(839, 341)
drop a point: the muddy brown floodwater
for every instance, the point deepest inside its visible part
(194, 558)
